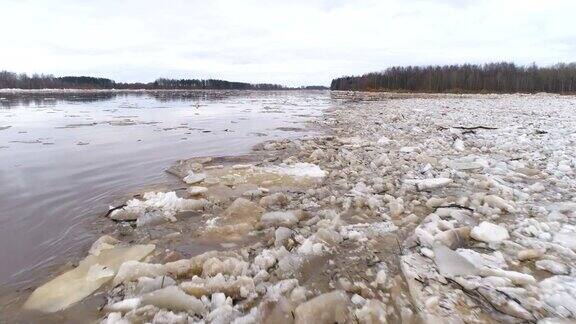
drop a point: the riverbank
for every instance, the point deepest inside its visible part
(407, 209)
(67, 157)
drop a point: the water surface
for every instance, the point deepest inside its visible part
(65, 157)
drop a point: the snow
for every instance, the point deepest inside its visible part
(155, 206)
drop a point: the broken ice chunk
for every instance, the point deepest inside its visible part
(489, 232)
(281, 218)
(197, 190)
(154, 217)
(567, 240)
(559, 292)
(115, 318)
(552, 267)
(494, 260)
(330, 307)
(432, 183)
(242, 210)
(516, 277)
(407, 149)
(193, 178)
(396, 206)
(123, 306)
(383, 140)
(234, 287)
(282, 234)
(103, 243)
(156, 204)
(454, 238)
(374, 311)
(173, 298)
(274, 200)
(464, 166)
(98, 271)
(168, 317)
(298, 170)
(452, 264)
(459, 145)
(73, 286)
(381, 277)
(530, 254)
(131, 270)
(146, 285)
(241, 166)
(495, 201)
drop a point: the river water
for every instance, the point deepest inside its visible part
(66, 157)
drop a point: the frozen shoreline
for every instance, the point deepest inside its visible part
(414, 208)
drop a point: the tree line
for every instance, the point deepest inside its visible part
(46, 81)
(211, 84)
(466, 78)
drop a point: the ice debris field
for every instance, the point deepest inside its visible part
(410, 209)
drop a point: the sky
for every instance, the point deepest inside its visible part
(289, 42)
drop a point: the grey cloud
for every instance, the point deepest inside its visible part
(289, 42)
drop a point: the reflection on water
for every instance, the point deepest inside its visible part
(17, 99)
(65, 157)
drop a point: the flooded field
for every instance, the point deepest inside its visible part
(65, 157)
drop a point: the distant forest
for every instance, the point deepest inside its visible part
(467, 78)
(45, 81)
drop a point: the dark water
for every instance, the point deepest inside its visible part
(64, 158)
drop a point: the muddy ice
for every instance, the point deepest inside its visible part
(410, 209)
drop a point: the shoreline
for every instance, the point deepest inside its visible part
(402, 214)
(15, 294)
(72, 90)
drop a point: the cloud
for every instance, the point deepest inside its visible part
(288, 42)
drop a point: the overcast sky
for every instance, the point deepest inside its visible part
(290, 42)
